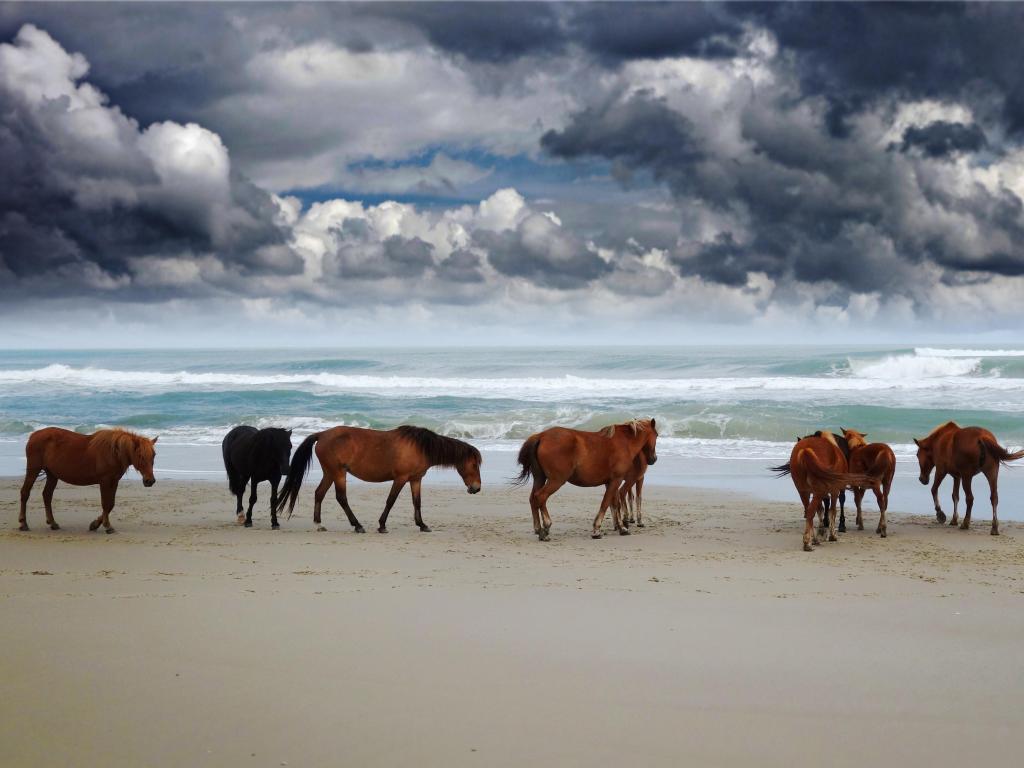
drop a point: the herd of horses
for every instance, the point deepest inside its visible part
(822, 466)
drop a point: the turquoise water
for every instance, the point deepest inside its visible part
(727, 411)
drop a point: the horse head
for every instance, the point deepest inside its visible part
(469, 470)
(925, 459)
(854, 438)
(142, 456)
(283, 449)
(650, 444)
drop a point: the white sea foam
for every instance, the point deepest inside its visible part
(895, 373)
(939, 352)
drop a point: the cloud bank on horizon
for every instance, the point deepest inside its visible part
(541, 166)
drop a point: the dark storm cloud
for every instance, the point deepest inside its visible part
(461, 267)
(942, 138)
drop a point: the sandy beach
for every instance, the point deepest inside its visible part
(706, 637)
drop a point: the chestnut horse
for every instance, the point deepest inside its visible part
(559, 455)
(962, 452)
(631, 493)
(402, 455)
(102, 457)
(819, 469)
(877, 461)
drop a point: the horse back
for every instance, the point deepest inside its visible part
(873, 459)
(64, 454)
(827, 452)
(963, 452)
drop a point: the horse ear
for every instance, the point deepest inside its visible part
(844, 430)
(652, 423)
(289, 433)
(917, 442)
(155, 439)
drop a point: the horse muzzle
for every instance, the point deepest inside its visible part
(149, 482)
(652, 460)
(473, 488)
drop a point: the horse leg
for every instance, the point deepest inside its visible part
(834, 519)
(538, 481)
(841, 498)
(108, 491)
(606, 500)
(992, 476)
(273, 503)
(417, 513)
(31, 473)
(882, 497)
(939, 514)
(549, 487)
(639, 502)
(823, 515)
(341, 494)
(956, 501)
(318, 500)
(238, 507)
(858, 500)
(252, 503)
(966, 524)
(51, 483)
(396, 488)
(617, 508)
(812, 505)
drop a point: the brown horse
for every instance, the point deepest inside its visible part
(102, 457)
(819, 469)
(631, 494)
(962, 452)
(876, 460)
(559, 455)
(402, 455)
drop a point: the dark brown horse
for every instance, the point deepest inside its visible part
(819, 469)
(559, 455)
(402, 455)
(962, 452)
(631, 494)
(102, 458)
(877, 461)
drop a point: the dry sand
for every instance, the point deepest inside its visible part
(708, 638)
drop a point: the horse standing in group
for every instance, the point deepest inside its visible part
(100, 458)
(877, 461)
(819, 469)
(962, 452)
(560, 455)
(401, 455)
(256, 455)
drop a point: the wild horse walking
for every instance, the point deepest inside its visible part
(100, 458)
(254, 455)
(559, 455)
(877, 461)
(402, 455)
(962, 452)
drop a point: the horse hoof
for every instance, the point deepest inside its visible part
(382, 529)
(940, 516)
(860, 526)
(597, 535)
(808, 547)
(23, 527)
(54, 527)
(425, 528)
(640, 525)
(542, 536)
(110, 530)
(359, 529)
(833, 537)
(882, 534)
(320, 529)
(94, 525)
(247, 523)
(275, 526)
(994, 532)
(965, 526)
(241, 519)
(954, 522)
(842, 529)
(624, 532)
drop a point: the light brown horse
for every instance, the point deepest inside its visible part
(559, 455)
(962, 452)
(819, 469)
(877, 461)
(631, 494)
(102, 457)
(402, 455)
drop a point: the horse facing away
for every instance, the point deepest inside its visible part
(401, 455)
(819, 469)
(631, 494)
(254, 455)
(560, 455)
(876, 460)
(962, 452)
(102, 457)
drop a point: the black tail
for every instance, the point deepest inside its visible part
(296, 472)
(780, 471)
(527, 458)
(234, 481)
(997, 451)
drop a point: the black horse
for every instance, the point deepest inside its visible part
(256, 455)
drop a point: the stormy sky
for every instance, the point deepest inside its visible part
(521, 173)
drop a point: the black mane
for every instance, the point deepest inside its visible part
(440, 451)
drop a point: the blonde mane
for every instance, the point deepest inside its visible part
(854, 439)
(830, 437)
(635, 425)
(120, 442)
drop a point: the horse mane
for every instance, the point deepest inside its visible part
(942, 428)
(267, 435)
(120, 442)
(827, 436)
(855, 439)
(635, 425)
(439, 450)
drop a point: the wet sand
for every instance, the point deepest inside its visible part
(706, 638)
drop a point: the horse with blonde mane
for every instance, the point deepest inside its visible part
(631, 495)
(100, 458)
(962, 452)
(819, 469)
(560, 455)
(877, 461)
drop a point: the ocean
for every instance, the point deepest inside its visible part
(724, 413)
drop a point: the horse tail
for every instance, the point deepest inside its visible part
(780, 471)
(234, 481)
(834, 481)
(997, 451)
(527, 458)
(301, 460)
